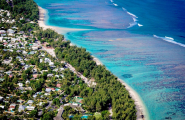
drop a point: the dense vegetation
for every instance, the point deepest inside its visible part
(108, 90)
(26, 8)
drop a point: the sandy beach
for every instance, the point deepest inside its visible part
(61, 30)
(141, 110)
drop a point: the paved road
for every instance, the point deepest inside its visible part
(49, 104)
(59, 115)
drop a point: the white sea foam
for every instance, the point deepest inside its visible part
(134, 19)
(139, 25)
(132, 24)
(115, 4)
(111, 0)
(132, 14)
(124, 9)
(169, 39)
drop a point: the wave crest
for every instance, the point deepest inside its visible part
(169, 39)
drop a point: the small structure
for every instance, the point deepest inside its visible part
(53, 89)
(30, 102)
(27, 82)
(21, 108)
(49, 75)
(1, 106)
(48, 90)
(77, 101)
(2, 31)
(35, 76)
(12, 106)
(58, 85)
(1, 98)
(30, 108)
(8, 72)
(20, 84)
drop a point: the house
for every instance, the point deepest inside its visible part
(1, 39)
(18, 51)
(57, 76)
(47, 60)
(35, 76)
(58, 85)
(34, 96)
(62, 75)
(11, 75)
(12, 106)
(20, 84)
(51, 63)
(8, 72)
(21, 32)
(41, 60)
(30, 102)
(24, 52)
(61, 69)
(26, 67)
(1, 106)
(48, 90)
(14, 27)
(10, 31)
(22, 63)
(20, 101)
(2, 31)
(34, 71)
(32, 22)
(21, 108)
(31, 53)
(77, 101)
(27, 82)
(46, 94)
(56, 70)
(44, 71)
(53, 89)
(49, 75)
(19, 58)
(27, 88)
(1, 98)
(35, 47)
(40, 103)
(30, 108)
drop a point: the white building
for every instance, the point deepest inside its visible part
(20, 84)
(30, 107)
(21, 108)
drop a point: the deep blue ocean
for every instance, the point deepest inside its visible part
(141, 42)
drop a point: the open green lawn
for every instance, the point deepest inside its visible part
(97, 115)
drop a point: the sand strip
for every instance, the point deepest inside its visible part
(61, 30)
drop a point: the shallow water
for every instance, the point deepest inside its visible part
(151, 66)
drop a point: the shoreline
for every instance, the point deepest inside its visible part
(141, 109)
(61, 30)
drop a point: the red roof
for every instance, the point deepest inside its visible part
(10, 76)
(12, 106)
(35, 75)
(52, 88)
(58, 85)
